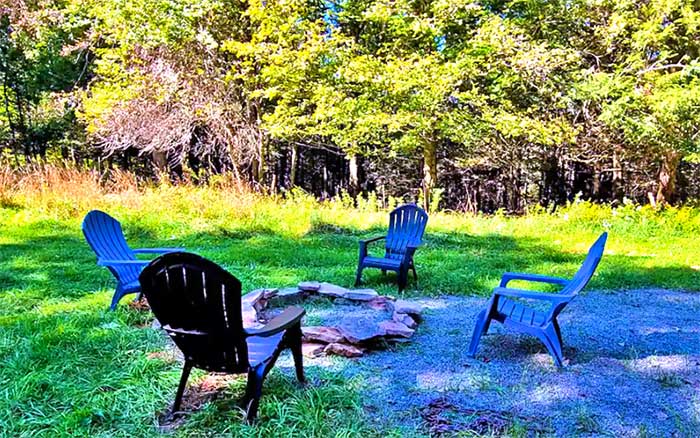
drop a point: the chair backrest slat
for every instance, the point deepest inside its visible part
(188, 293)
(406, 227)
(588, 268)
(105, 236)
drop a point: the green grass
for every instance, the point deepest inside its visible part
(70, 368)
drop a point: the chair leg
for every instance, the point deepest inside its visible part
(294, 339)
(482, 326)
(415, 275)
(181, 388)
(558, 330)
(254, 392)
(403, 278)
(358, 276)
(118, 294)
(551, 342)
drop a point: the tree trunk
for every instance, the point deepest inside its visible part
(324, 186)
(160, 161)
(8, 116)
(667, 177)
(293, 166)
(595, 185)
(261, 163)
(618, 191)
(515, 187)
(429, 172)
(354, 178)
(258, 164)
(273, 183)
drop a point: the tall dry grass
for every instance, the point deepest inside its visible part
(65, 192)
(49, 192)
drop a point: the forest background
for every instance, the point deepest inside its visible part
(461, 105)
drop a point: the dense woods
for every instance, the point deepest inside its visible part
(463, 105)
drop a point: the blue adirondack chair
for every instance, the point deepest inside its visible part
(105, 236)
(505, 307)
(406, 227)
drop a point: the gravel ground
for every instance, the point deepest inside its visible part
(634, 368)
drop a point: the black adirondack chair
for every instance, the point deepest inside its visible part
(505, 307)
(105, 236)
(406, 227)
(198, 304)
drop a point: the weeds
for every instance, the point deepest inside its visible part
(669, 380)
(586, 422)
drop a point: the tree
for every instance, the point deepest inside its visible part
(34, 76)
(647, 85)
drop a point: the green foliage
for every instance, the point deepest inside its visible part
(509, 86)
(36, 114)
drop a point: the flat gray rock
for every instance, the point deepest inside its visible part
(310, 286)
(358, 327)
(380, 303)
(288, 296)
(332, 290)
(311, 349)
(393, 328)
(326, 335)
(361, 295)
(253, 296)
(343, 350)
(289, 292)
(405, 319)
(407, 307)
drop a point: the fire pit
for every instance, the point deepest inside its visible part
(358, 320)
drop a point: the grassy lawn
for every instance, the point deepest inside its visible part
(70, 368)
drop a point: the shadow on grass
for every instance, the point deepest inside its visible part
(58, 264)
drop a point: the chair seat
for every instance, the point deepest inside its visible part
(378, 262)
(520, 313)
(262, 348)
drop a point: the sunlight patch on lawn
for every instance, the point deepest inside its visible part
(472, 380)
(549, 394)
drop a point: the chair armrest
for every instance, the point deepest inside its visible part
(287, 319)
(373, 239)
(102, 262)
(410, 250)
(156, 250)
(364, 243)
(177, 331)
(412, 247)
(531, 295)
(508, 276)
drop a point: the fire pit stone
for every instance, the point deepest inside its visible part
(367, 320)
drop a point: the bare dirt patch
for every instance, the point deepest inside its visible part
(207, 389)
(442, 418)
